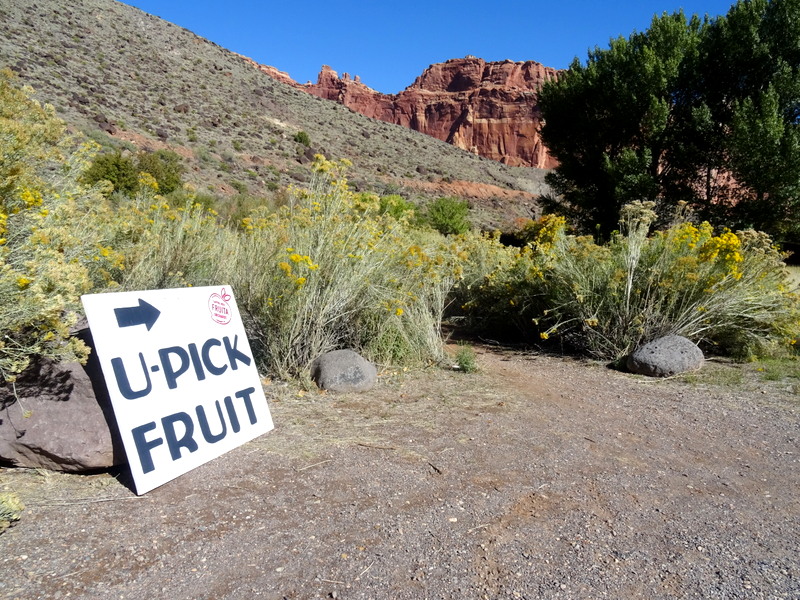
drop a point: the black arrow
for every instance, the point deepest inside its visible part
(144, 314)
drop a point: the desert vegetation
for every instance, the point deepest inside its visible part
(230, 123)
(320, 266)
(334, 268)
(729, 291)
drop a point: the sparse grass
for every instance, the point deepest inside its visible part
(721, 373)
(466, 359)
(778, 369)
(777, 374)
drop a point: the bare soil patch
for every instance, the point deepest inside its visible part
(538, 477)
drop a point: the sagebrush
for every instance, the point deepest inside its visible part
(728, 291)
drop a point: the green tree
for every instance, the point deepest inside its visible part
(751, 62)
(449, 216)
(703, 111)
(116, 168)
(609, 123)
(165, 166)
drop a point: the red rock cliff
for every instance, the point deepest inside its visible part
(490, 109)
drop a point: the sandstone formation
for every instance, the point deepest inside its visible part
(271, 71)
(488, 108)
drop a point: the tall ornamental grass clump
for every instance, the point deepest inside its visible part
(329, 271)
(727, 290)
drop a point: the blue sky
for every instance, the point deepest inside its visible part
(389, 44)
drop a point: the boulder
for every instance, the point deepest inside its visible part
(53, 418)
(666, 356)
(343, 371)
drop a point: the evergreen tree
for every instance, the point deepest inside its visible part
(703, 111)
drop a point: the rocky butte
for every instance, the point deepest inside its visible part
(488, 108)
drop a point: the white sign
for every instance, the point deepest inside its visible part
(181, 377)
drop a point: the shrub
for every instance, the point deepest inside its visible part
(202, 154)
(301, 137)
(334, 273)
(54, 242)
(448, 216)
(165, 166)
(31, 138)
(465, 359)
(487, 297)
(240, 187)
(175, 247)
(323, 271)
(728, 291)
(398, 207)
(11, 508)
(116, 168)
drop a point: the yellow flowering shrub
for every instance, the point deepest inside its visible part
(167, 246)
(11, 508)
(489, 297)
(331, 269)
(54, 243)
(727, 290)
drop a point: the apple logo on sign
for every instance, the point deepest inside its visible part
(220, 309)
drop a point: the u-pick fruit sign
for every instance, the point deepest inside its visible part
(181, 377)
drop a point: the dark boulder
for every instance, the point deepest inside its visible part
(343, 371)
(55, 416)
(666, 356)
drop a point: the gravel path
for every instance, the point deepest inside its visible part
(538, 477)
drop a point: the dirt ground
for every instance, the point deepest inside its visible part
(538, 477)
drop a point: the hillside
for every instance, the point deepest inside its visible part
(132, 80)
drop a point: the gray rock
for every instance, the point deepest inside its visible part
(666, 356)
(52, 418)
(343, 371)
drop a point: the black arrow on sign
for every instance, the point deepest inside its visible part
(144, 314)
